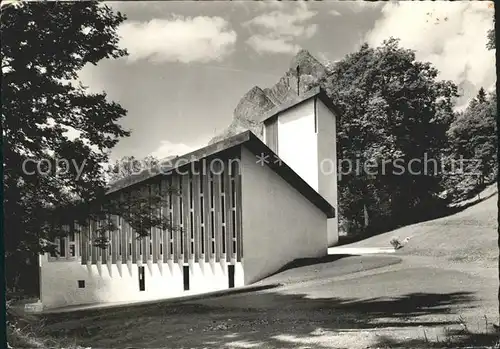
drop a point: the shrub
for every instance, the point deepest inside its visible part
(396, 243)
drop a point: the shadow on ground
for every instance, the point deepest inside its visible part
(453, 339)
(261, 320)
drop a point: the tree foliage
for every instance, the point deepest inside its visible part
(474, 142)
(47, 117)
(392, 107)
(129, 166)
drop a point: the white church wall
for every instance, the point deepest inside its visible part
(297, 141)
(279, 223)
(120, 282)
(327, 159)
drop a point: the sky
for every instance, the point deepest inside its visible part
(190, 62)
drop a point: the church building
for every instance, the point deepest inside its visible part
(246, 208)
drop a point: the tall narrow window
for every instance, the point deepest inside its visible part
(212, 193)
(223, 239)
(202, 209)
(223, 208)
(233, 192)
(212, 223)
(62, 247)
(182, 242)
(202, 239)
(191, 224)
(181, 211)
(191, 197)
(233, 212)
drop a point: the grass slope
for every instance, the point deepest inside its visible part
(467, 236)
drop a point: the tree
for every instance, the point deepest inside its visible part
(491, 45)
(392, 108)
(44, 45)
(128, 166)
(473, 137)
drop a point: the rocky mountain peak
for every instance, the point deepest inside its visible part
(257, 101)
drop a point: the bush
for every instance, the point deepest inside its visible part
(396, 243)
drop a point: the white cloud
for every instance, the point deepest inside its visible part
(451, 35)
(179, 39)
(281, 28)
(262, 43)
(334, 13)
(361, 5)
(167, 149)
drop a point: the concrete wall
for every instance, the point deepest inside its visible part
(327, 160)
(120, 282)
(297, 141)
(279, 223)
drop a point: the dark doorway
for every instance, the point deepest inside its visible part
(186, 277)
(230, 275)
(142, 281)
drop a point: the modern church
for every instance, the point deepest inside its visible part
(246, 209)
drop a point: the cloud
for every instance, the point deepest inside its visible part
(262, 43)
(179, 39)
(334, 13)
(451, 35)
(361, 5)
(281, 28)
(167, 149)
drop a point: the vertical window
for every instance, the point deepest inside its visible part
(233, 212)
(170, 222)
(191, 224)
(212, 221)
(191, 198)
(233, 193)
(315, 117)
(202, 209)
(181, 213)
(182, 242)
(211, 193)
(202, 239)
(223, 238)
(185, 270)
(223, 208)
(62, 247)
(129, 249)
(161, 249)
(81, 283)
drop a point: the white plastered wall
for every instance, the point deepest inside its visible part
(279, 224)
(120, 282)
(327, 160)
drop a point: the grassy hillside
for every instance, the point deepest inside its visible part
(469, 235)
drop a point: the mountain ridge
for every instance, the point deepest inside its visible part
(258, 101)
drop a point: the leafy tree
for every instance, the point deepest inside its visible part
(46, 117)
(128, 166)
(491, 45)
(473, 137)
(392, 107)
